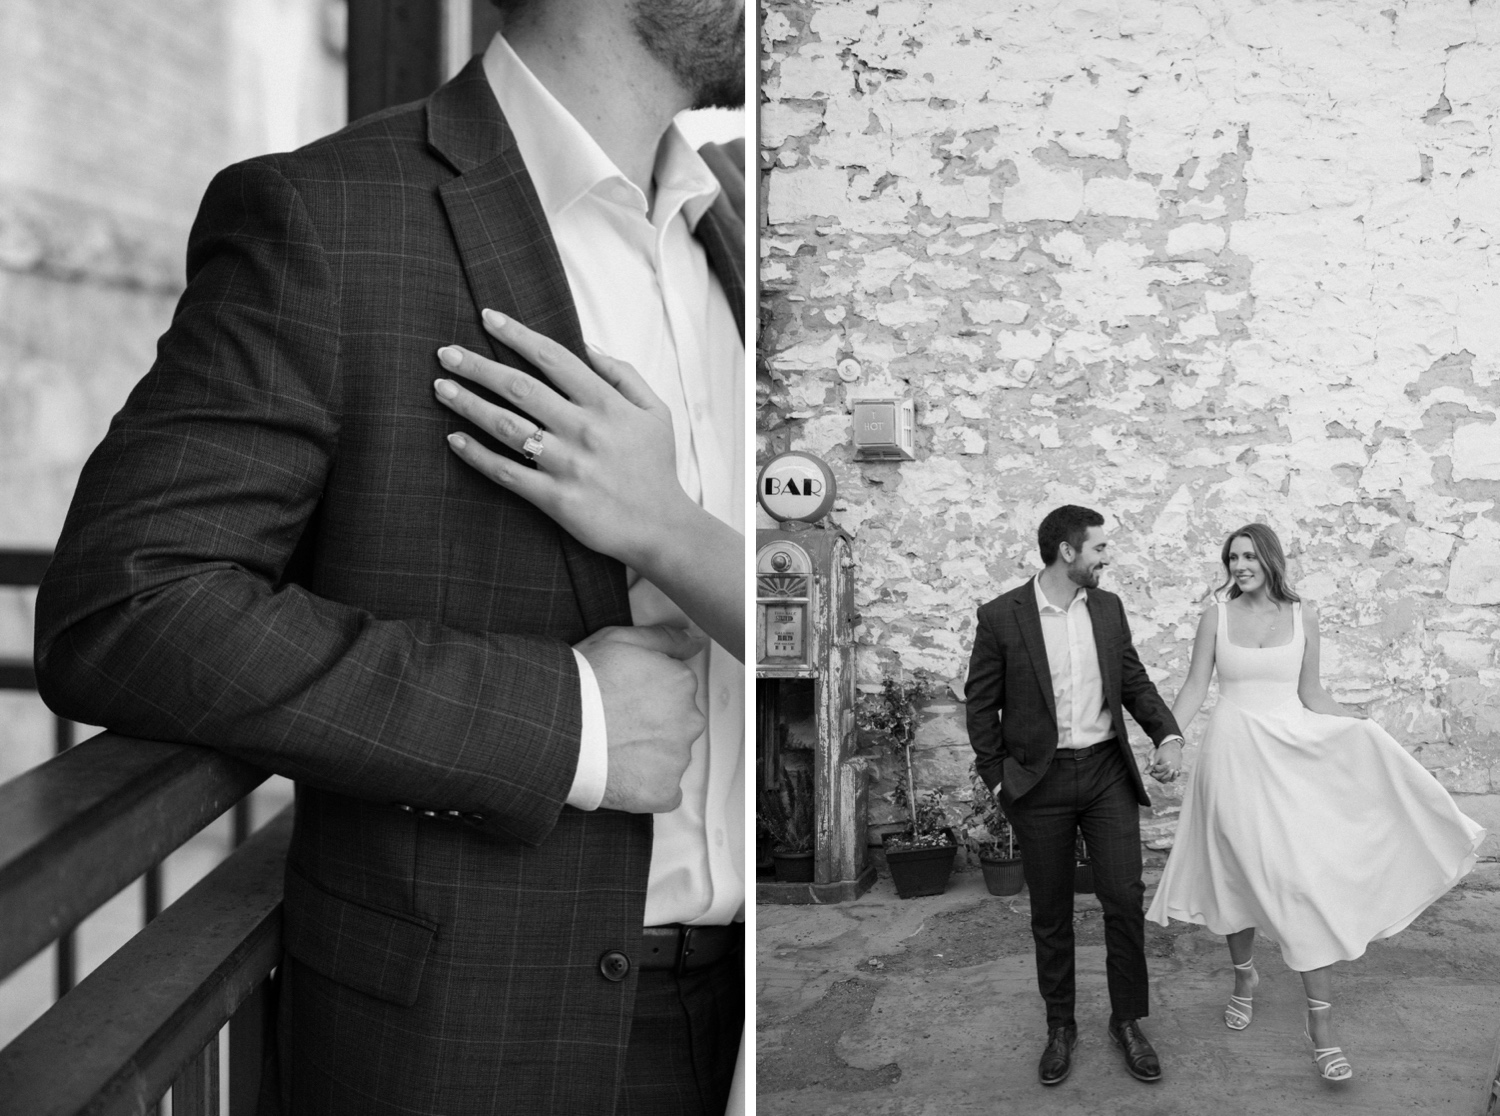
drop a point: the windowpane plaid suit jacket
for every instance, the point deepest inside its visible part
(274, 553)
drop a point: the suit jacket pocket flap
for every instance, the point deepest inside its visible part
(372, 950)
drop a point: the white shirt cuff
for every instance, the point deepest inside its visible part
(593, 745)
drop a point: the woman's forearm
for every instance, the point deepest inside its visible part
(698, 561)
(1317, 700)
(1189, 701)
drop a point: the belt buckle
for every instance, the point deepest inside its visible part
(685, 949)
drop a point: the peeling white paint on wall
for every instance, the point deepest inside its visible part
(1191, 263)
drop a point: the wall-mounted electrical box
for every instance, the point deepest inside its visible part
(885, 430)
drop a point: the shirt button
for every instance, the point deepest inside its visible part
(719, 838)
(614, 965)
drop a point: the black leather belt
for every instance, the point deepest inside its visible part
(685, 948)
(1082, 753)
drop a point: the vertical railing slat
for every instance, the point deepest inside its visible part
(196, 1090)
(249, 1033)
(66, 974)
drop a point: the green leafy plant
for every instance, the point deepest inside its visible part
(985, 830)
(786, 811)
(893, 714)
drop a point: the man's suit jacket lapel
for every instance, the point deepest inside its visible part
(1029, 621)
(1109, 666)
(512, 265)
(722, 229)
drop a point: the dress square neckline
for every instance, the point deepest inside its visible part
(1296, 619)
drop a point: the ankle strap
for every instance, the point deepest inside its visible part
(1250, 964)
(1317, 1005)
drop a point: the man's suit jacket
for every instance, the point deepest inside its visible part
(1011, 711)
(274, 553)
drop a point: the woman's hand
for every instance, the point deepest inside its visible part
(1166, 764)
(606, 469)
(606, 466)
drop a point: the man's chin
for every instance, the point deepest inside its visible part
(726, 94)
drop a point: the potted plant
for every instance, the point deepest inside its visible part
(989, 836)
(1083, 869)
(921, 857)
(763, 841)
(787, 811)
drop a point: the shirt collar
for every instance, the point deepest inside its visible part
(1043, 604)
(566, 163)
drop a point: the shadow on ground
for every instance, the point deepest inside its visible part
(929, 1006)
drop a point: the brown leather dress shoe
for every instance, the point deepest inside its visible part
(1140, 1056)
(1057, 1059)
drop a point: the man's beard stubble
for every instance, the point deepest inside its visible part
(702, 42)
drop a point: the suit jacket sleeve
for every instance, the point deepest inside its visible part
(1138, 693)
(984, 698)
(164, 616)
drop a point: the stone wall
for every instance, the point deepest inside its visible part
(1192, 263)
(113, 117)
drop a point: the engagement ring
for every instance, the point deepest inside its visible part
(532, 446)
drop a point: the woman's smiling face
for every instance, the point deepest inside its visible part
(1245, 567)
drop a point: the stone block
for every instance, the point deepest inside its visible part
(1474, 577)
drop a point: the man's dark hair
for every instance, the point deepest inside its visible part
(1068, 524)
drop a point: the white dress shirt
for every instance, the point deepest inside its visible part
(1073, 658)
(646, 294)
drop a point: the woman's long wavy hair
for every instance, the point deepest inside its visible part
(1272, 560)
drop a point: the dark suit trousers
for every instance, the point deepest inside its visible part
(684, 1040)
(1093, 794)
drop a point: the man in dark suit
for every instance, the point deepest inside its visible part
(274, 553)
(1052, 671)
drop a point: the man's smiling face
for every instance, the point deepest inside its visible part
(1090, 559)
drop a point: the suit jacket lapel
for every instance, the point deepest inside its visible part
(1029, 620)
(722, 230)
(512, 265)
(1109, 666)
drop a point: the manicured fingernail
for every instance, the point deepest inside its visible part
(457, 441)
(495, 318)
(446, 388)
(595, 349)
(450, 356)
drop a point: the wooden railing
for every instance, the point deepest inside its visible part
(76, 830)
(21, 569)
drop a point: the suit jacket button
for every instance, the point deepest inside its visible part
(404, 808)
(614, 965)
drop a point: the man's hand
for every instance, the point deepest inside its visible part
(1166, 764)
(650, 713)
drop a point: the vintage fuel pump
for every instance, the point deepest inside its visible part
(805, 675)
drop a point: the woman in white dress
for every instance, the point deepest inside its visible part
(1303, 819)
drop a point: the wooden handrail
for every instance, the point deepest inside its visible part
(77, 829)
(116, 1043)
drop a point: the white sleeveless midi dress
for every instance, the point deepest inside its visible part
(1321, 832)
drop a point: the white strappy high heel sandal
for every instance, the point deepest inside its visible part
(1240, 1008)
(1336, 1067)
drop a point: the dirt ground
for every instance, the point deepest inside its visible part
(929, 1006)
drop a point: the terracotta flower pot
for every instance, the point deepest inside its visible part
(1083, 879)
(1002, 876)
(793, 867)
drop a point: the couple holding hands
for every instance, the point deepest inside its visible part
(1303, 819)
